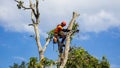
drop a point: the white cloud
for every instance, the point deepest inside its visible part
(44, 34)
(54, 11)
(82, 37)
(18, 27)
(13, 19)
(19, 58)
(101, 21)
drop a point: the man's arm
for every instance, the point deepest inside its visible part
(65, 30)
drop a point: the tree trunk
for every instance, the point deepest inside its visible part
(35, 17)
(67, 45)
(37, 38)
(41, 55)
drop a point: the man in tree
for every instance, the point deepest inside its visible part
(59, 32)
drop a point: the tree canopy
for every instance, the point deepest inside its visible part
(77, 58)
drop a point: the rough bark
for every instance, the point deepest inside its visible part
(67, 45)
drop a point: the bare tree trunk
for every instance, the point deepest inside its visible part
(67, 45)
(37, 38)
(35, 17)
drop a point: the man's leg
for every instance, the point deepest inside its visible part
(60, 47)
(63, 38)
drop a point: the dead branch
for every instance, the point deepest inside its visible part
(20, 5)
(46, 44)
(32, 6)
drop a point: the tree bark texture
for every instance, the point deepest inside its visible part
(67, 45)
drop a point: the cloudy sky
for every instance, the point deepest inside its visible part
(99, 29)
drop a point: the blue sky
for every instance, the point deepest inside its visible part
(99, 29)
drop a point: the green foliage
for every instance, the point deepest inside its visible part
(20, 4)
(33, 63)
(15, 65)
(50, 34)
(23, 65)
(47, 62)
(79, 58)
(74, 28)
(104, 63)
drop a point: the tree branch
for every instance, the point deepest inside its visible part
(75, 15)
(32, 17)
(46, 44)
(67, 45)
(37, 9)
(20, 5)
(37, 37)
(37, 12)
(32, 7)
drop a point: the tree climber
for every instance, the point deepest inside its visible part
(59, 32)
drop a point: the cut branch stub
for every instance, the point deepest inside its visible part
(75, 15)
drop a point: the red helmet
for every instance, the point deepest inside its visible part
(63, 23)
